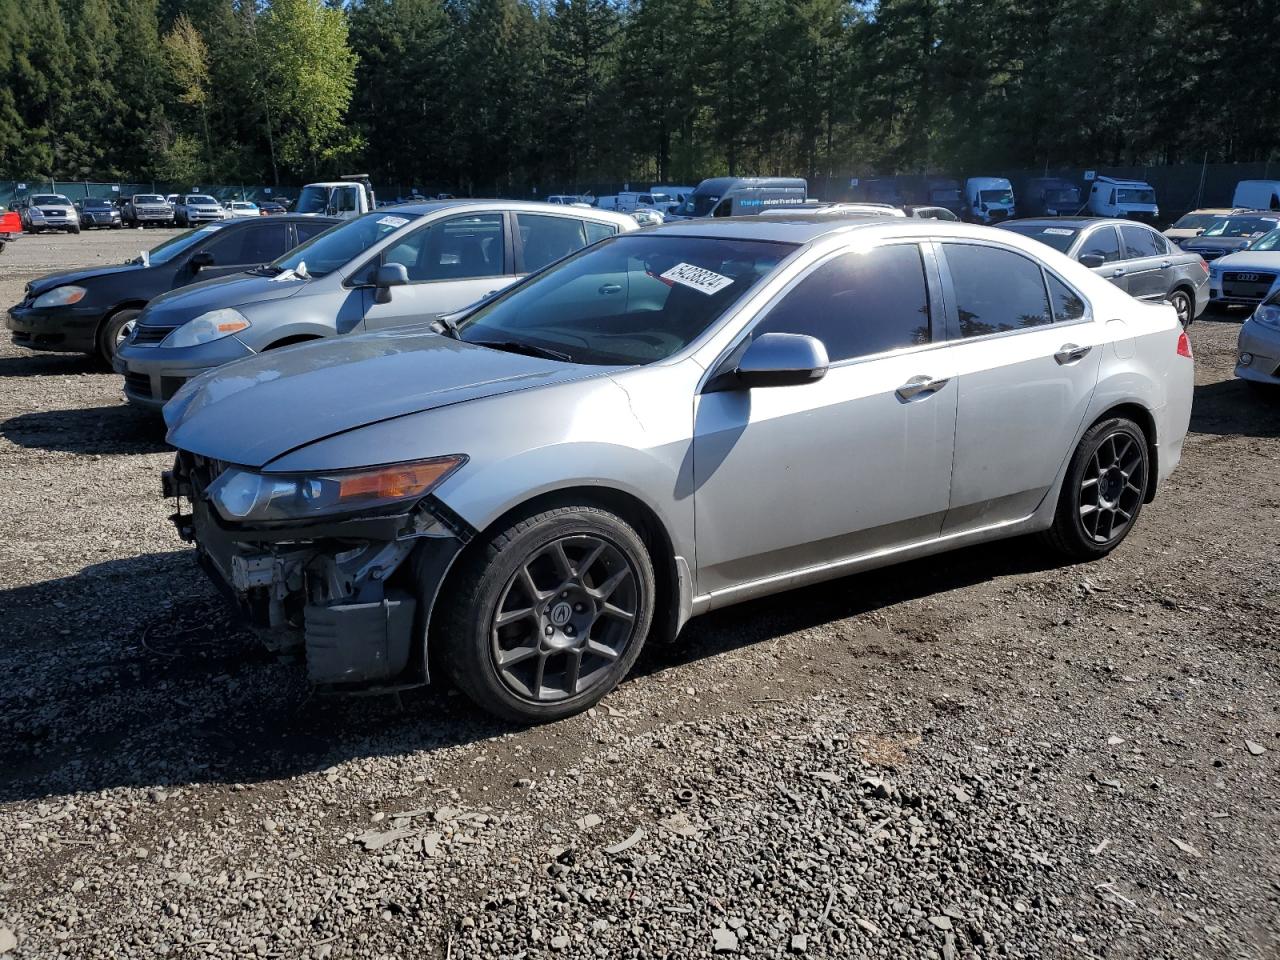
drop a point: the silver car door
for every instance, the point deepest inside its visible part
(792, 477)
(1027, 352)
(450, 263)
(1147, 261)
(1104, 241)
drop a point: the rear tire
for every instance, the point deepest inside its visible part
(1103, 491)
(114, 332)
(544, 618)
(1182, 303)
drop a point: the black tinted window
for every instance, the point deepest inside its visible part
(259, 243)
(996, 290)
(859, 303)
(547, 239)
(1067, 304)
(1141, 242)
(1103, 243)
(309, 228)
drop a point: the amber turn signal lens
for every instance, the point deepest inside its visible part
(396, 482)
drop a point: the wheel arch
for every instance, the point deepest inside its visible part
(1139, 414)
(674, 588)
(291, 340)
(109, 314)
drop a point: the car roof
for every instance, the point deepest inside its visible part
(1078, 223)
(284, 218)
(516, 206)
(801, 230)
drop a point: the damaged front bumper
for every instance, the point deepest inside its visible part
(354, 594)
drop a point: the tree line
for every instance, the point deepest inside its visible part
(505, 96)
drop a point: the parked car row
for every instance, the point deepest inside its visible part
(525, 437)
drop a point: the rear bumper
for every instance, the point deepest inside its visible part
(61, 329)
(355, 594)
(1258, 353)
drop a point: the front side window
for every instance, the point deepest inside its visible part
(634, 299)
(176, 246)
(1102, 243)
(463, 248)
(996, 290)
(859, 304)
(1141, 242)
(342, 243)
(545, 239)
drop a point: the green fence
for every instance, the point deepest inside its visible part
(11, 190)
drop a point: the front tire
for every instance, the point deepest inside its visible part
(547, 616)
(114, 332)
(1103, 491)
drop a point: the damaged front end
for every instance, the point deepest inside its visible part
(351, 586)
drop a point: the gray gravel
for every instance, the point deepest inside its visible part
(972, 756)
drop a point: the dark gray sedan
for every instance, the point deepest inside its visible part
(1231, 234)
(1133, 256)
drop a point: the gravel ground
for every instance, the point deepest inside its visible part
(982, 754)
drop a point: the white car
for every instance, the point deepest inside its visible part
(1249, 276)
(241, 208)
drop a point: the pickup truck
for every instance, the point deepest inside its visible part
(351, 196)
(145, 209)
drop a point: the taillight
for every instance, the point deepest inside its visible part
(1204, 265)
(1184, 345)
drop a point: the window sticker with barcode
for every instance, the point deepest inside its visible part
(703, 280)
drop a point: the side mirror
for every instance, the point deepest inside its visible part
(1092, 260)
(389, 275)
(779, 360)
(201, 259)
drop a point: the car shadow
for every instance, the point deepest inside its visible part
(50, 364)
(133, 673)
(115, 429)
(1232, 408)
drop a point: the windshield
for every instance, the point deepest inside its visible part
(176, 246)
(1134, 195)
(1269, 241)
(148, 198)
(1062, 195)
(96, 203)
(1004, 197)
(1240, 227)
(312, 200)
(634, 299)
(1060, 238)
(201, 198)
(43, 198)
(660, 198)
(1195, 221)
(343, 242)
(698, 205)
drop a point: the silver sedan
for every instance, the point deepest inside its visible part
(667, 423)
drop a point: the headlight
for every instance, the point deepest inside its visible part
(60, 297)
(1268, 315)
(1214, 270)
(243, 495)
(207, 327)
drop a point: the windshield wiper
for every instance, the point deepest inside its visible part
(519, 346)
(448, 326)
(265, 270)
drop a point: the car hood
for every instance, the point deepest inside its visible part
(236, 290)
(255, 410)
(1249, 260)
(73, 276)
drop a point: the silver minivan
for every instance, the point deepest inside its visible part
(395, 266)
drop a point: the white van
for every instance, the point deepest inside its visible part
(988, 200)
(1128, 199)
(676, 192)
(629, 201)
(1257, 195)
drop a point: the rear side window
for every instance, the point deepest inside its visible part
(996, 290)
(1103, 243)
(598, 231)
(545, 240)
(1067, 304)
(859, 304)
(1141, 242)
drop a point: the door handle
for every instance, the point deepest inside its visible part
(1118, 272)
(920, 386)
(1071, 353)
(1166, 264)
(608, 288)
